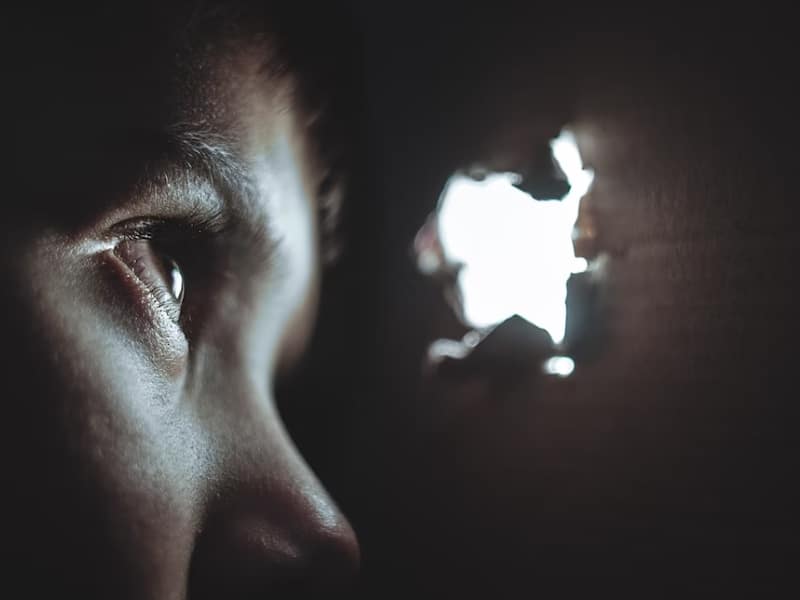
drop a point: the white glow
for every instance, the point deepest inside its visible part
(428, 262)
(516, 252)
(177, 282)
(446, 349)
(560, 366)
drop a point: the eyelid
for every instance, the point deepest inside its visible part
(157, 191)
(194, 224)
(142, 260)
(188, 240)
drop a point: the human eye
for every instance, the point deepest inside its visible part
(165, 261)
(157, 272)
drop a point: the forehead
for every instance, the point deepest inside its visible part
(156, 70)
(97, 95)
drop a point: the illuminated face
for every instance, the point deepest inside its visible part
(158, 278)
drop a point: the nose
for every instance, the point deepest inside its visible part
(271, 529)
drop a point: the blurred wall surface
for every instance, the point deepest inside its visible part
(668, 459)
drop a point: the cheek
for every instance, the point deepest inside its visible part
(102, 325)
(108, 434)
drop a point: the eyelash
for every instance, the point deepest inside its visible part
(194, 225)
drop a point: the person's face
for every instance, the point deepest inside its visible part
(160, 263)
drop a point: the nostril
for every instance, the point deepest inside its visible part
(333, 555)
(250, 557)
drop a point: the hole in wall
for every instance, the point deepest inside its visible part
(504, 252)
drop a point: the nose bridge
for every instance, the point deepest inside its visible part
(270, 524)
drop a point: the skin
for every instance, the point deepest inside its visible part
(144, 456)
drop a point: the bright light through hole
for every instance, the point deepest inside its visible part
(561, 366)
(516, 252)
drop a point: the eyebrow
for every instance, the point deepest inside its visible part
(198, 152)
(196, 149)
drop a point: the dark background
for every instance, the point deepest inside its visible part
(666, 463)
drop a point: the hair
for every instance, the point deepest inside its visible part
(315, 49)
